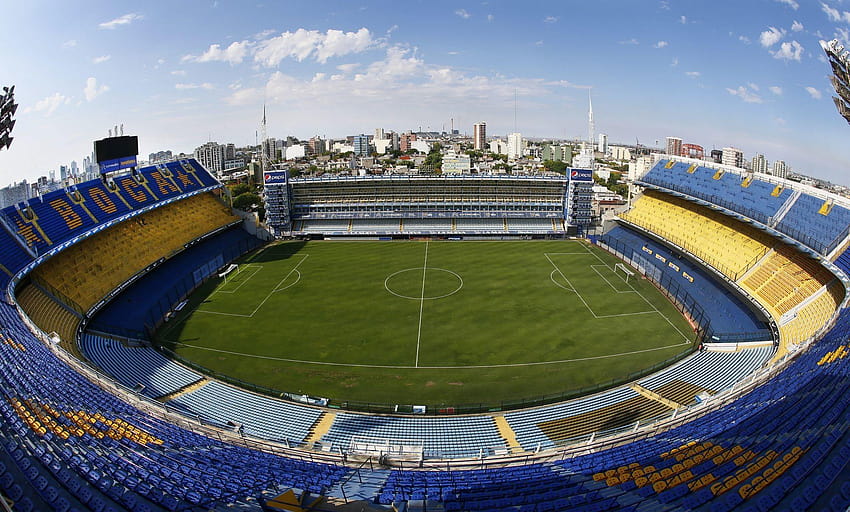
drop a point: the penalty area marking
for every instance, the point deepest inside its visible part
(571, 289)
(277, 288)
(256, 267)
(609, 282)
(586, 248)
(407, 367)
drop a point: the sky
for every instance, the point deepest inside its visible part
(749, 74)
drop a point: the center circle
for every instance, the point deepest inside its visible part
(423, 284)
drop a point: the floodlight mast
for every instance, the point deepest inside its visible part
(839, 59)
(8, 107)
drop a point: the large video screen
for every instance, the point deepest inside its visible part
(114, 153)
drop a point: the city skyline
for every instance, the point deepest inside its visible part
(720, 74)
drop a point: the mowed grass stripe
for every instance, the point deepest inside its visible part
(507, 311)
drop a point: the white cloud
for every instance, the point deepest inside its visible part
(683, 20)
(101, 59)
(70, 43)
(780, 121)
(834, 14)
(463, 13)
(771, 36)
(745, 94)
(775, 89)
(233, 54)
(814, 93)
(790, 3)
(660, 44)
(337, 42)
(401, 77)
(550, 19)
(789, 51)
(49, 104)
(744, 39)
(753, 86)
(675, 62)
(121, 20)
(303, 44)
(631, 41)
(693, 74)
(348, 68)
(665, 4)
(796, 26)
(490, 18)
(178, 72)
(183, 87)
(92, 90)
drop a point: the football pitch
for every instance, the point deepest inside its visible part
(430, 322)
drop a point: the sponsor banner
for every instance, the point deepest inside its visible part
(673, 266)
(660, 257)
(581, 175)
(117, 164)
(646, 249)
(276, 177)
(686, 276)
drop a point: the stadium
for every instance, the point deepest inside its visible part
(743, 406)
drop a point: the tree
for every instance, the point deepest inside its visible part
(434, 160)
(246, 201)
(238, 190)
(555, 166)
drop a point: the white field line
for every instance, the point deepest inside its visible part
(256, 267)
(275, 289)
(421, 304)
(482, 366)
(606, 279)
(645, 300)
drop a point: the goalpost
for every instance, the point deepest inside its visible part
(625, 270)
(231, 268)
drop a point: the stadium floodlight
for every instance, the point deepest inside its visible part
(8, 107)
(838, 59)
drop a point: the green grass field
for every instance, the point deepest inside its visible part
(428, 322)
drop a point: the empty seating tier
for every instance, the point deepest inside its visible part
(729, 246)
(799, 212)
(49, 314)
(46, 221)
(88, 271)
(784, 279)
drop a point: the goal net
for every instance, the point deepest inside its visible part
(230, 269)
(623, 271)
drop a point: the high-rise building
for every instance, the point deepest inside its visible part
(379, 133)
(557, 153)
(674, 146)
(316, 145)
(15, 193)
(160, 156)
(498, 147)
(361, 145)
(211, 155)
(479, 136)
(759, 164)
(405, 140)
(454, 163)
(603, 144)
(515, 146)
(733, 157)
(780, 169)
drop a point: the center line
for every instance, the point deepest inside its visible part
(421, 304)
